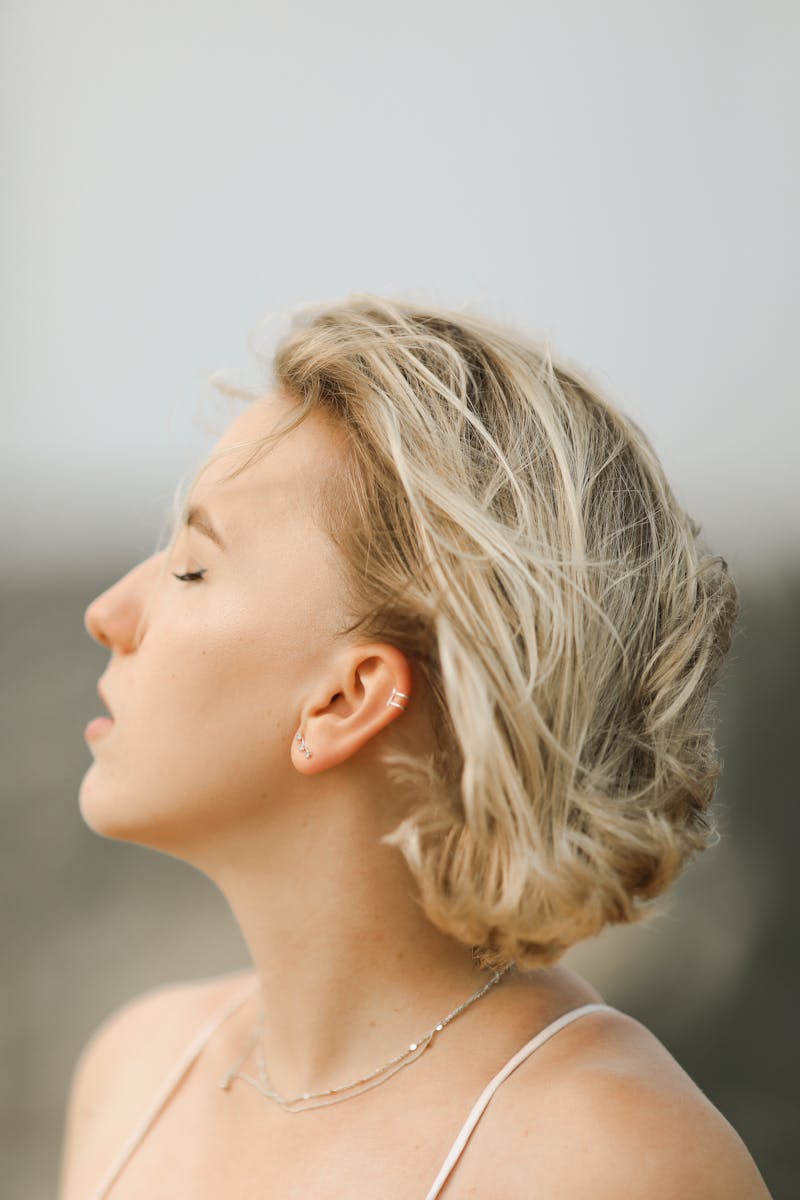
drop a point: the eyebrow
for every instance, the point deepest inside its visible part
(197, 517)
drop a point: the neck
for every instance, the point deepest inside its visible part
(350, 969)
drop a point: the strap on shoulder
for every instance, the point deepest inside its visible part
(171, 1082)
(481, 1103)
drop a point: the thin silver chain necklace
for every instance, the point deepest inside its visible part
(332, 1095)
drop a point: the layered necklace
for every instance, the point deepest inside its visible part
(347, 1090)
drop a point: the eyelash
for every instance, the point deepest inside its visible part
(190, 576)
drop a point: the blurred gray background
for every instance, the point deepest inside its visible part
(620, 178)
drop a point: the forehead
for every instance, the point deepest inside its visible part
(289, 469)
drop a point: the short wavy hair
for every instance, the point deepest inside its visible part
(514, 533)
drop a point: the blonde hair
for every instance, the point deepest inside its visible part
(515, 535)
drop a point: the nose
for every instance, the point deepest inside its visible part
(115, 618)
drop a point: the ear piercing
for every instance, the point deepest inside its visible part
(391, 701)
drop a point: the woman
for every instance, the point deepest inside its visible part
(421, 683)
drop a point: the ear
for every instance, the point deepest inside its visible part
(359, 702)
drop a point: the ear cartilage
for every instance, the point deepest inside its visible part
(391, 701)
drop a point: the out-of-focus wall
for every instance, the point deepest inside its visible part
(615, 177)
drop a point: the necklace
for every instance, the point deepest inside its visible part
(332, 1095)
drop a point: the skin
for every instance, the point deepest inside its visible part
(209, 682)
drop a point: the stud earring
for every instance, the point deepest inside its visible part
(303, 746)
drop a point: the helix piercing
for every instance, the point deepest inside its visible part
(391, 701)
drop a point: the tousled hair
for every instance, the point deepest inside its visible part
(513, 532)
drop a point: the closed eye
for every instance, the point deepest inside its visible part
(190, 576)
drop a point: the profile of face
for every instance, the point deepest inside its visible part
(210, 680)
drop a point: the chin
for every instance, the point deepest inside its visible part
(122, 816)
(108, 819)
(171, 824)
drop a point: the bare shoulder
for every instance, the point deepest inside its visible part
(618, 1116)
(121, 1064)
(153, 1022)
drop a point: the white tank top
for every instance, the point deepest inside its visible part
(204, 1033)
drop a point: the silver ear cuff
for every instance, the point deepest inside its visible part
(391, 701)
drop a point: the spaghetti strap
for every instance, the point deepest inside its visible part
(481, 1103)
(170, 1083)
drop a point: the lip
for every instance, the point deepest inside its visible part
(97, 727)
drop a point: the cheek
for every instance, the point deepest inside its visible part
(215, 714)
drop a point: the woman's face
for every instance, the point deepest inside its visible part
(207, 702)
